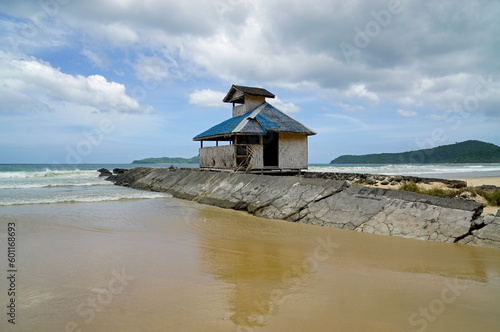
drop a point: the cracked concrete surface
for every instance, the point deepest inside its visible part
(326, 202)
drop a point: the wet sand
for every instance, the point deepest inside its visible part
(173, 265)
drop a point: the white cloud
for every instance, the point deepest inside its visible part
(360, 91)
(33, 82)
(246, 41)
(207, 98)
(286, 107)
(153, 69)
(117, 34)
(406, 113)
(99, 60)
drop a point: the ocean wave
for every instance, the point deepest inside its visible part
(84, 199)
(47, 173)
(52, 185)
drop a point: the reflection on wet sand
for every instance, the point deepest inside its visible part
(268, 263)
(263, 275)
(261, 272)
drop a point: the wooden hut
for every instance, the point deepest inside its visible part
(258, 137)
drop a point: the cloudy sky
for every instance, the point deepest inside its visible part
(117, 80)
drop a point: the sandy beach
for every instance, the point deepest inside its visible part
(172, 265)
(477, 182)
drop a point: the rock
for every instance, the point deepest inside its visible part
(393, 212)
(119, 170)
(498, 213)
(132, 176)
(457, 184)
(489, 188)
(488, 236)
(320, 201)
(467, 195)
(104, 172)
(398, 178)
(172, 168)
(394, 183)
(370, 180)
(479, 221)
(384, 182)
(488, 219)
(470, 196)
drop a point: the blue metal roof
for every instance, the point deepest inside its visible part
(261, 120)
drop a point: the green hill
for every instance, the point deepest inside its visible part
(464, 152)
(167, 160)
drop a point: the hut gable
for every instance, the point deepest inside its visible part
(237, 93)
(247, 98)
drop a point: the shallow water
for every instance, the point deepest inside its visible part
(172, 265)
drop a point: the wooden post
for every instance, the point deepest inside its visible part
(235, 151)
(201, 146)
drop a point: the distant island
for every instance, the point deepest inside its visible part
(465, 152)
(168, 160)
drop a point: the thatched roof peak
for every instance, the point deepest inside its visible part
(237, 93)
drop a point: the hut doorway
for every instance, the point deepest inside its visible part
(271, 150)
